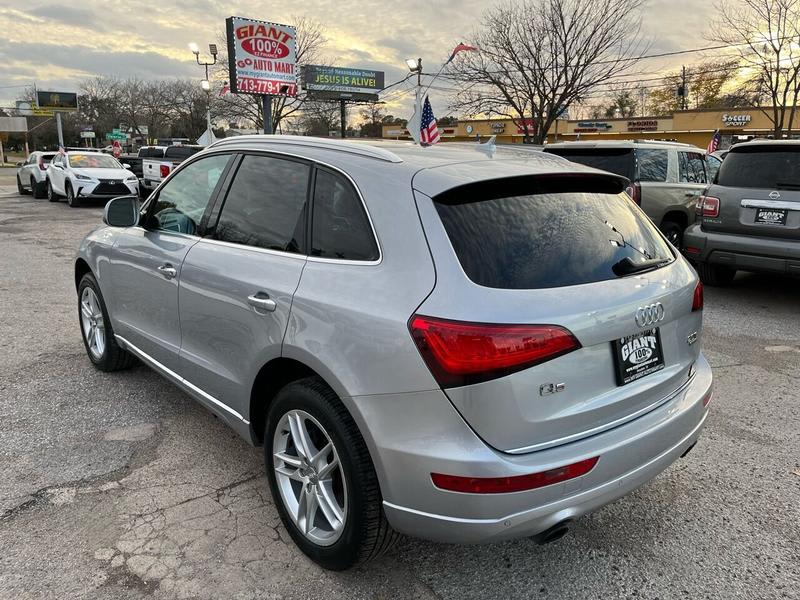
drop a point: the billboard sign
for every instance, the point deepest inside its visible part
(340, 79)
(261, 57)
(60, 101)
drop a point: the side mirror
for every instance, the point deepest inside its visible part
(126, 166)
(122, 211)
(20, 164)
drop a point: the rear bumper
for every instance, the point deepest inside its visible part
(748, 253)
(412, 435)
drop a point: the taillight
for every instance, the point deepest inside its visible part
(707, 206)
(461, 353)
(516, 483)
(164, 169)
(697, 301)
(634, 190)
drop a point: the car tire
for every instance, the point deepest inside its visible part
(351, 485)
(21, 190)
(38, 189)
(71, 199)
(715, 275)
(93, 317)
(51, 193)
(673, 232)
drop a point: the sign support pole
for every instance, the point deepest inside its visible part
(343, 115)
(60, 131)
(266, 105)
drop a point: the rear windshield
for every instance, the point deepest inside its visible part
(614, 160)
(772, 167)
(151, 152)
(546, 240)
(180, 152)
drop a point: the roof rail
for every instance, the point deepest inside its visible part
(359, 149)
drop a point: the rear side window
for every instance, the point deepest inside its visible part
(652, 164)
(619, 161)
(691, 167)
(265, 206)
(151, 153)
(340, 227)
(546, 240)
(180, 152)
(773, 167)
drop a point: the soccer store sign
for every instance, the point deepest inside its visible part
(735, 120)
(262, 57)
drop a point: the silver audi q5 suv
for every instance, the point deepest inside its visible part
(447, 342)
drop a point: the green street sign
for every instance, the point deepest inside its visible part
(116, 131)
(116, 136)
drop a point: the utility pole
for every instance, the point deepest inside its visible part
(641, 101)
(343, 117)
(683, 87)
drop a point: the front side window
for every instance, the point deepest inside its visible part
(691, 168)
(265, 206)
(652, 164)
(182, 201)
(340, 227)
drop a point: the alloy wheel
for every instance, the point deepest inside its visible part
(310, 477)
(94, 330)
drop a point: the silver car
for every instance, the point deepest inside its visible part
(440, 342)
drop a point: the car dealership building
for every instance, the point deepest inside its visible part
(689, 126)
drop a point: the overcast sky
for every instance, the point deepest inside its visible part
(56, 44)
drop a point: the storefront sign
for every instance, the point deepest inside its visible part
(498, 127)
(735, 120)
(643, 125)
(526, 126)
(592, 125)
(261, 57)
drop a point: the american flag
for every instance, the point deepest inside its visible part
(714, 143)
(428, 131)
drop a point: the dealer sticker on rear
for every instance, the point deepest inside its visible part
(638, 355)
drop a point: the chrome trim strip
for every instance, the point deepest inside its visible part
(247, 247)
(601, 428)
(177, 378)
(777, 204)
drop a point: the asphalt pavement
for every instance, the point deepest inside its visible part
(121, 486)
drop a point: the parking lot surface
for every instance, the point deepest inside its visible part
(121, 486)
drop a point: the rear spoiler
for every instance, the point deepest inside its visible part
(524, 185)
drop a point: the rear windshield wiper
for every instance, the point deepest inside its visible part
(627, 266)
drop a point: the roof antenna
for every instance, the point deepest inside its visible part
(488, 147)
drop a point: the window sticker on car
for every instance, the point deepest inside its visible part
(770, 216)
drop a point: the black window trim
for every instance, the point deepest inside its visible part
(152, 199)
(221, 194)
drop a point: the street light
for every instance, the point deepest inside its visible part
(415, 66)
(205, 84)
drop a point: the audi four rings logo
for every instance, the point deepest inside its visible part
(649, 315)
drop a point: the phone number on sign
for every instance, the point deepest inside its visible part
(267, 86)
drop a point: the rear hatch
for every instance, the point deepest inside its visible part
(559, 309)
(757, 192)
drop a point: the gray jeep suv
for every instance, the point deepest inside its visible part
(433, 341)
(666, 178)
(749, 219)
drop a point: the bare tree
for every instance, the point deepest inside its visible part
(711, 84)
(372, 115)
(537, 57)
(765, 34)
(622, 103)
(247, 108)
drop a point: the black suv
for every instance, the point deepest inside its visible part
(749, 218)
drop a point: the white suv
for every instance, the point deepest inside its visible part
(88, 175)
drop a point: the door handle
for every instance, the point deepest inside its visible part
(168, 271)
(263, 301)
(690, 194)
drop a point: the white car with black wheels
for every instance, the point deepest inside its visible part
(80, 176)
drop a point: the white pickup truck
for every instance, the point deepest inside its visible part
(154, 170)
